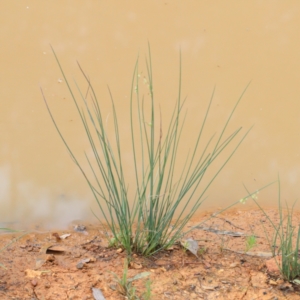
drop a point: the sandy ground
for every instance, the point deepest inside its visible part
(43, 266)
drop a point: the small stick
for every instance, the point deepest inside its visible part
(230, 223)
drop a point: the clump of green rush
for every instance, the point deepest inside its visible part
(286, 241)
(163, 203)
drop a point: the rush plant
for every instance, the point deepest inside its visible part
(286, 240)
(124, 284)
(163, 202)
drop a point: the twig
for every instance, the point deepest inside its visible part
(229, 222)
(224, 232)
(259, 254)
(90, 241)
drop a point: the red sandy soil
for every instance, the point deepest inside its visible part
(222, 270)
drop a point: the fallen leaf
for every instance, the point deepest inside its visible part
(57, 248)
(191, 245)
(97, 294)
(296, 281)
(51, 247)
(64, 236)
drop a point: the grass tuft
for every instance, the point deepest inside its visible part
(163, 203)
(286, 240)
(124, 285)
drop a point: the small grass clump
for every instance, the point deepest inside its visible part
(251, 242)
(124, 285)
(286, 241)
(163, 203)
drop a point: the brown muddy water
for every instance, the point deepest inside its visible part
(223, 43)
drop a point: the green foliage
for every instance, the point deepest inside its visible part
(148, 293)
(163, 203)
(125, 287)
(251, 242)
(286, 240)
(114, 241)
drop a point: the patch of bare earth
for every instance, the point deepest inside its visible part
(43, 266)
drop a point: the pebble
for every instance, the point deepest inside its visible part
(272, 282)
(80, 265)
(33, 282)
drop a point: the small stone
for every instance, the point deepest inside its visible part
(80, 265)
(272, 282)
(79, 228)
(120, 250)
(233, 265)
(33, 282)
(50, 257)
(136, 265)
